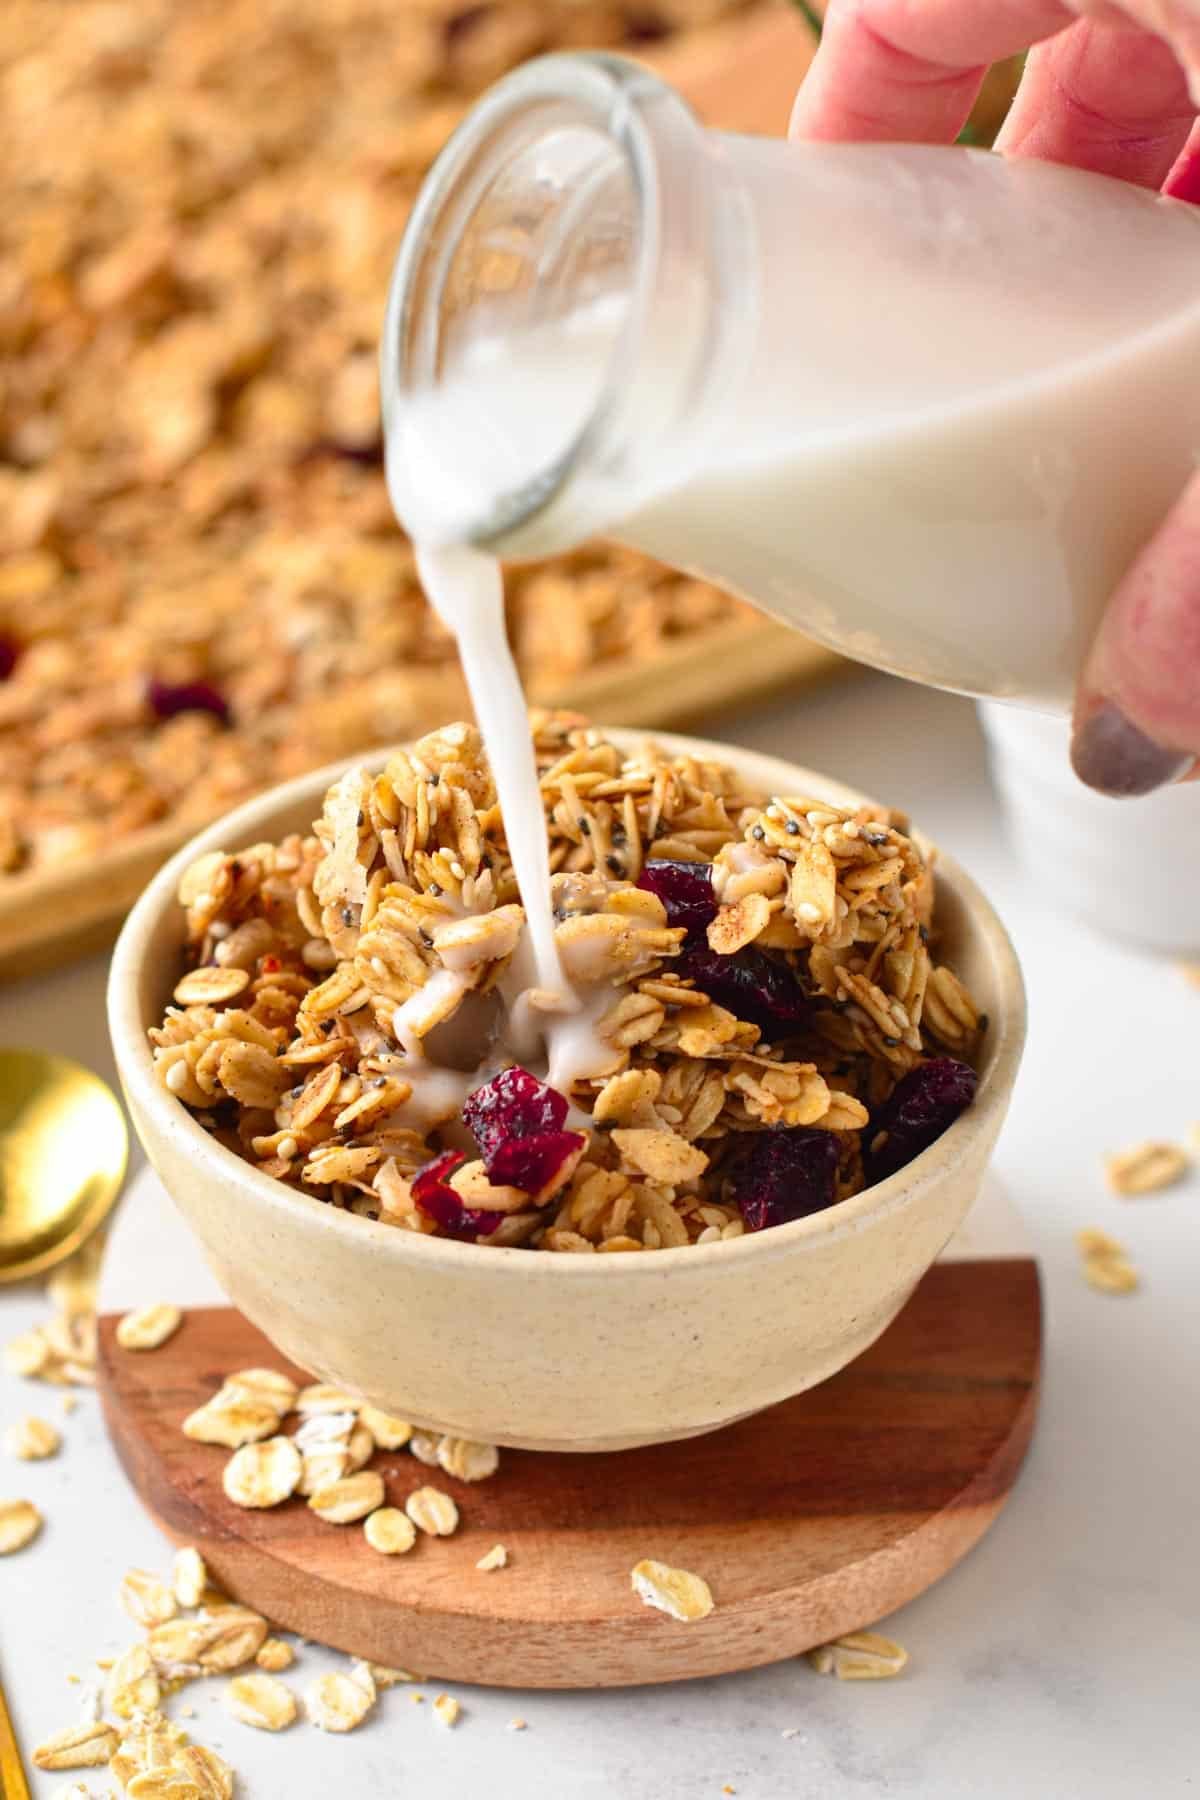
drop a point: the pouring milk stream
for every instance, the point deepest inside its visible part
(925, 404)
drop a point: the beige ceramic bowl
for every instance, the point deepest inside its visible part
(560, 1352)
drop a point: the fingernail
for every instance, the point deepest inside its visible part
(1113, 756)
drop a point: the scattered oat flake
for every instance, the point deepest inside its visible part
(389, 1432)
(68, 1403)
(146, 1599)
(337, 1702)
(385, 1678)
(232, 1425)
(275, 1656)
(261, 1701)
(132, 1685)
(323, 1397)
(20, 1522)
(264, 1387)
(517, 1725)
(260, 1475)
(30, 1439)
(446, 1710)
(467, 1461)
(790, 1731)
(432, 1511)
(148, 1327)
(859, 1656)
(390, 1531)
(1106, 1264)
(85, 1746)
(675, 1591)
(495, 1558)
(424, 1446)
(189, 1577)
(27, 1354)
(1146, 1168)
(350, 1499)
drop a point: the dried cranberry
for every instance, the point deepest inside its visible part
(438, 1200)
(532, 1163)
(685, 889)
(514, 1104)
(916, 1112)
(10, 651)
(751, 984)
(169, 698)
(783, 1174)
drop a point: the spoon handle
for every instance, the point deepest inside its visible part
(13, 1785)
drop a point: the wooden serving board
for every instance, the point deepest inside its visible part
(815, 1518)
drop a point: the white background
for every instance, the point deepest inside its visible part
(1059, 1662)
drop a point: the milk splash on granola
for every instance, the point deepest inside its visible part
(545, 1014)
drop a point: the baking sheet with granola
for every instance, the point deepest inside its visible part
(202, 589)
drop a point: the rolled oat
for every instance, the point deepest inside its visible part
(261, 1701)
(31, 1440)
(684, 1596)
(859, 1656)
(260, 1475)
(1146, 1168)
(20, 1522)
(149, 1326)
(337, 1702)
(390, 1531)
(432, 1511)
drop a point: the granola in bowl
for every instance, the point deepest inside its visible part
(760, 971)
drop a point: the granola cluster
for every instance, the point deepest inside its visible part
(202, 589)
(283, 1041)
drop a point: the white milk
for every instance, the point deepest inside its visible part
(548, 1025)
(963, 393)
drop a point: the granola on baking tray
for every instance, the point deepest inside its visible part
(202, 588)
(776, 1029)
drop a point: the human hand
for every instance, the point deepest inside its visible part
(1110, 88)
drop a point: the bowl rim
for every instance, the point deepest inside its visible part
(251, 822)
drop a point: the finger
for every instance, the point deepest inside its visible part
(909, 70)
(1108, 98)
(1183, 182)
(1137, 713)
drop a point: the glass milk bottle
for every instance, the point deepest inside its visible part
(922, 403)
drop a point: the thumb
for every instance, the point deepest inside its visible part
(1137, 710)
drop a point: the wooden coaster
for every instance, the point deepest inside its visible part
(815, 1518)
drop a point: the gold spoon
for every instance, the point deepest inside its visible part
(13, 1785)
(63, 1148)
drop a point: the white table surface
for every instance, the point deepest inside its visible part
(1058, 1661)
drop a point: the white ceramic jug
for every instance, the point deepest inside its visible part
(922, 403)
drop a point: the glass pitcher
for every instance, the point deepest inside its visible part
(923, 404)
